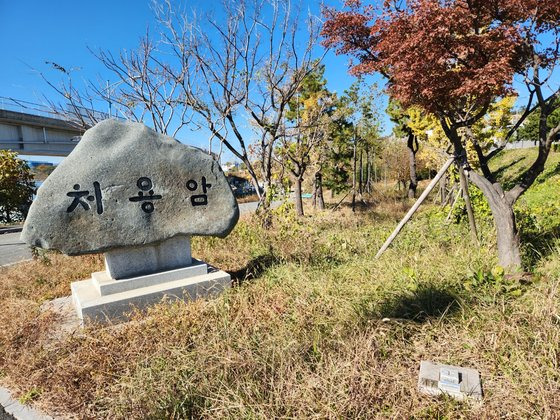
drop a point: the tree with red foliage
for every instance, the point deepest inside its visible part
(454, 58)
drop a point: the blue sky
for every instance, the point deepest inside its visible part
(35, 31)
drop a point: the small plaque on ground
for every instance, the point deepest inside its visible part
(456, 381)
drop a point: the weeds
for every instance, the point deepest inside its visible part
(316, 328)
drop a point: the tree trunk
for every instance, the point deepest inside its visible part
(266, 170)
(314, 196)
(254, 180)
(265, 199)
(501, 205)
(354, 177)
(361, 175)
(443, 190)
(375, 179)
(263, 207)
(412, 144)
(374, 169)
(509, 253)
(467, 198)
(368, 172)
(298, 199)
(319, 190)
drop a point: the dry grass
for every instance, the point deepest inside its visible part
(316, 328)
(45, 277)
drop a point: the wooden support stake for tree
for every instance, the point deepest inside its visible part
(466, 196)
(442, 190)
(340, 202)
(454, 202)
(414, 207)
(448, 197)
(368, 171)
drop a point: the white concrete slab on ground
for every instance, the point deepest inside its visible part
(108, 286)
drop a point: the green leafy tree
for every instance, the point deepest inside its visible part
(530, 129)
(337, 164)
(359, 100)
(16, 186)
(309, 117)
(369, 134)
(352, 138)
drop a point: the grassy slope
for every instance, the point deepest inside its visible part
(317, 328)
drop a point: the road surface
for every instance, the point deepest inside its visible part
(12, 250)
(245, 208)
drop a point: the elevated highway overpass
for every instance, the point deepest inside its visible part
(30, 134)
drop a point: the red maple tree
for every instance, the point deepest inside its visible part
(454, 58)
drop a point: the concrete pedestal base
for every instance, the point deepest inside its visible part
(103, 298)
(135, 261)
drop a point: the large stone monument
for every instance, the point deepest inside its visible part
(138, 196)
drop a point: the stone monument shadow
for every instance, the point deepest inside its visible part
(253, 269)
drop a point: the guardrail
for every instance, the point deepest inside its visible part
(17, 105)
(12, 104)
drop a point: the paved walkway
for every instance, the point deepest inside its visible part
(251, 207)
(12, 249)
(11, 409)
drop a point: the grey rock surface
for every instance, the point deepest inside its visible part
(126, 185)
